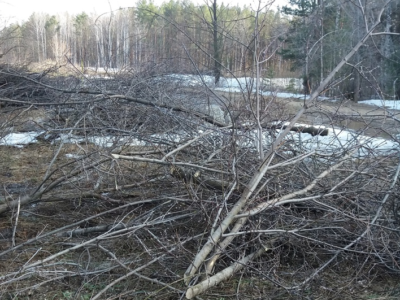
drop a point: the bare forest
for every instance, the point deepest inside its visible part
(210, 151)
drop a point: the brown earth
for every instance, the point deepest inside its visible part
(24, 168)
(366, 119)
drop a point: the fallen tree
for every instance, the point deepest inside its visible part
(132, 185)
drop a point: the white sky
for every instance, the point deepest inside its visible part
(17, 10)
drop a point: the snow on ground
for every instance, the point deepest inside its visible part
(243, 84)
(103, 141)
(337, 141)
(247, 83)
(18, 139)
(391, 104)
(283, 95)
(97, 76)
(103, 70)
(239, 84)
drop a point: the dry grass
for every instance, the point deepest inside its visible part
(28, 165)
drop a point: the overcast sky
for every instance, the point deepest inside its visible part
(22, 9)
(17, 10)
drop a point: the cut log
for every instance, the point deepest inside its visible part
(305, 129)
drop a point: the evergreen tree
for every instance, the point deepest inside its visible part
(302, 36)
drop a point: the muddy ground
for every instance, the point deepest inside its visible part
(366, 119)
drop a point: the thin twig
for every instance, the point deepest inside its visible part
(16, 222)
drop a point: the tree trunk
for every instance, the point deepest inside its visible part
(217, 47)
(357, 80)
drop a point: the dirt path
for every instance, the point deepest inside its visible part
(366, 119)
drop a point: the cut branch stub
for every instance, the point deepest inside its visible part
(188, 175)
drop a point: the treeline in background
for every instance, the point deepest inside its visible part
(304, 39)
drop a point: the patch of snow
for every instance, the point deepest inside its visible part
(391, 104)
(284, 95)
(298, 125)
(339, 140)
(20, 138)
(68, 139)
(102, 141)
(239, 84)
(74, 156)
(247, 83)
(283, 83)
(97, 76)
(103, 70)
(336, 142)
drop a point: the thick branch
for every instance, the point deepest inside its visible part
(252, 185)
(222, 275)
